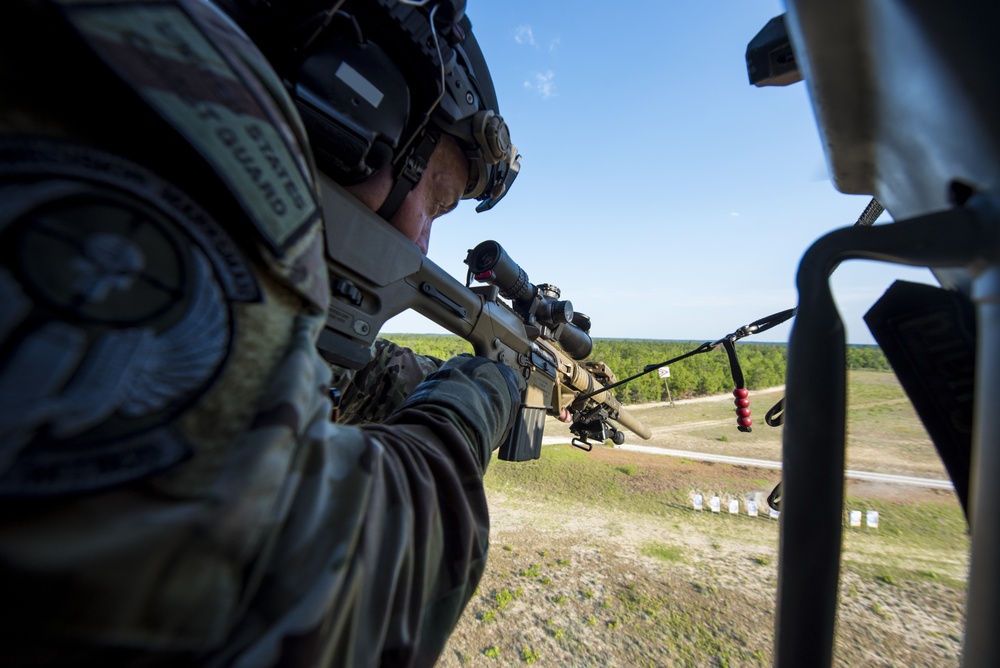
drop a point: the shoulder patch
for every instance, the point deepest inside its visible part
(217, 104)
(115, 295)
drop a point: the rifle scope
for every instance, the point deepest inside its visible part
(489, 263)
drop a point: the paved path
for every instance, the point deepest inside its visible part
(933, 483)
(764, 463)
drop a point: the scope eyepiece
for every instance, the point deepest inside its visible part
(490, 263)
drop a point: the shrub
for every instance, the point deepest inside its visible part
(532, 572)
(503, 598)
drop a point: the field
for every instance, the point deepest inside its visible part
(598, 559)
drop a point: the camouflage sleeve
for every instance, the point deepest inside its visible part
(370, 394)
(382, 544)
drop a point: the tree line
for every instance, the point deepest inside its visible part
(763, 364)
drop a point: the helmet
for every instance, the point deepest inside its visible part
(377, 82)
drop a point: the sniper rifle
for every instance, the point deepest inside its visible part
(537, 334)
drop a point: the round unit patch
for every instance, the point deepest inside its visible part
(115, 316)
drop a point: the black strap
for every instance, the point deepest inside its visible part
(765, 323)
(729, 343)
(776, 416)
(754, 327)
(774, 498)
(409, 175)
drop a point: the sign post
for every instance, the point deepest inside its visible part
(664, 373)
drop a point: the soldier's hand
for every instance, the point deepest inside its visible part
(484, 394)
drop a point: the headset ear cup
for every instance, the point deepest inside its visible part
(354, 102)
(339, 153)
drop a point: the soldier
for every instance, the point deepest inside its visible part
(172, 489)
(470, 151)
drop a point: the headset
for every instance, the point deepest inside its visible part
(378, 82)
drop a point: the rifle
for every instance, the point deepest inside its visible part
(538, 335)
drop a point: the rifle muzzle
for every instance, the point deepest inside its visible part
(632, 423)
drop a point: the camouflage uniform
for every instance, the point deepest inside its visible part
(172, 489)
(370, 394)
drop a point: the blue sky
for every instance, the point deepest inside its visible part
(666, 196)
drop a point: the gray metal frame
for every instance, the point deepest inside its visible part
(907, 103)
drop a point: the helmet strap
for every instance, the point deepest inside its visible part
(409, 175)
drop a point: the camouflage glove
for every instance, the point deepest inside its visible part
(370, 394)
(482, 395)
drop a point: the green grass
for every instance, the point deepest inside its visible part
(547, 474)
(568, 473)
(690, 630)
(663, 552)
(897, 573)
(532, 571)
(866, 387)
(919, 525)
(503, 598)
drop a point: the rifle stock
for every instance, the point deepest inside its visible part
(367, 289)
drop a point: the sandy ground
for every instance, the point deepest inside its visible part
(592, 587)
